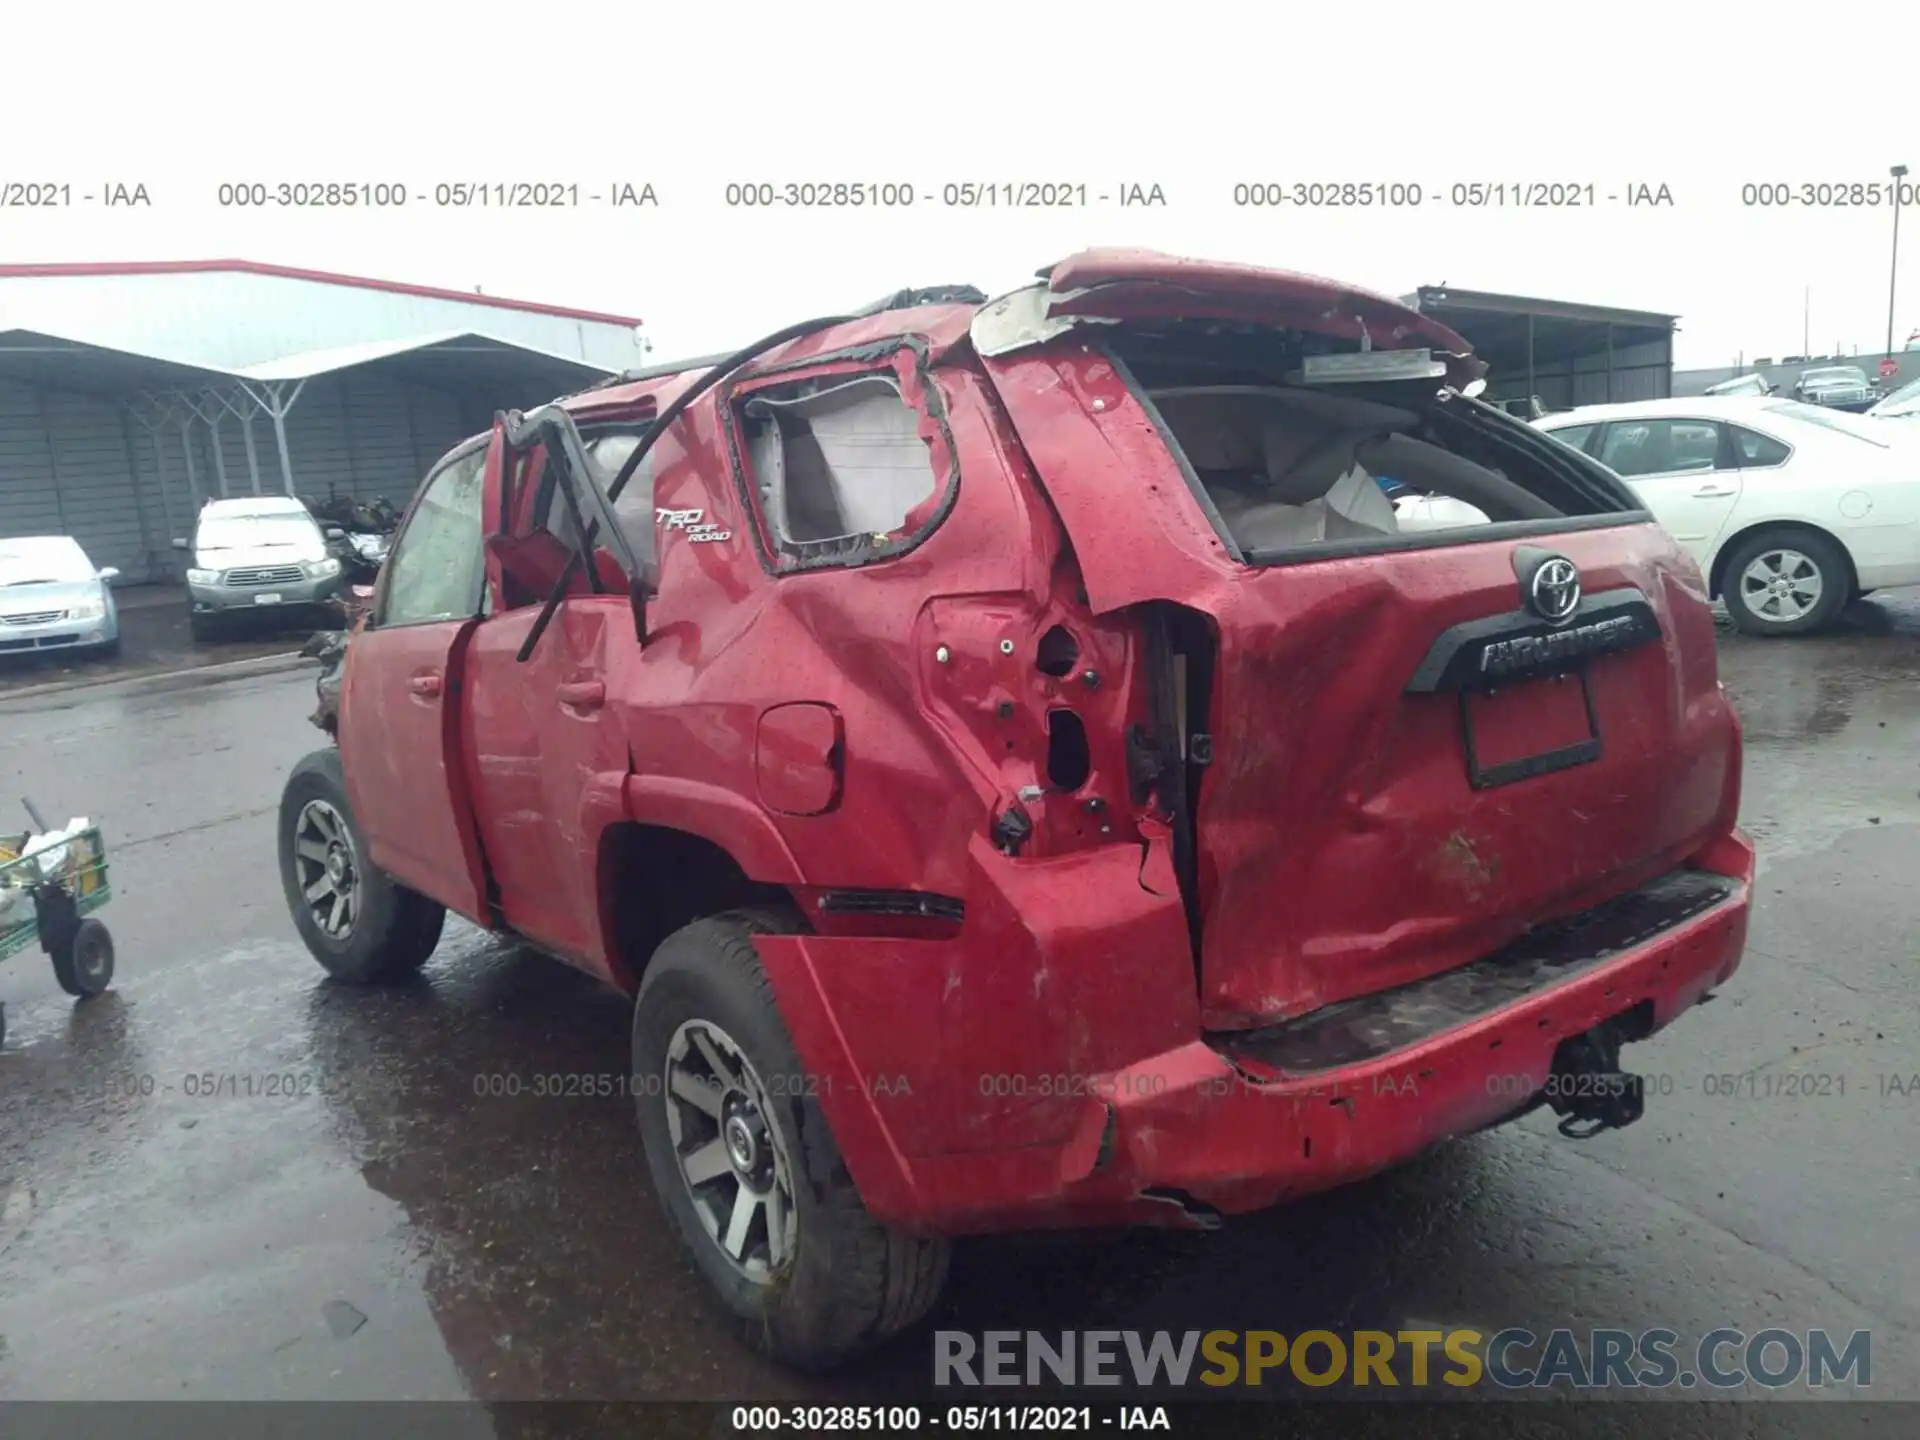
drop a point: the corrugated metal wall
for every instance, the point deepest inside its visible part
(1639, 372)
(66, 468)
(359, 436)
(80, 465)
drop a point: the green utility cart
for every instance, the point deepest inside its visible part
(47, 898)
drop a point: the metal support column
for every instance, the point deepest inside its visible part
(245, 408)
(210, 408)
(271, 398)
(152, 413)
(193, 471)
(219, 454)
(1533, 386)
(253, 455)
(346, 434)
(280, 442)
(413, 430)
(53, 458)
(154, 569)
(160, 469)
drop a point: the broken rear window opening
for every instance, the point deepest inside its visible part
(839, 469)
(1294, 472)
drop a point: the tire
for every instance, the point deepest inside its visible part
(205, 628)
(845, 1282)
(385, 932)
(1792, 556)
(85, 967)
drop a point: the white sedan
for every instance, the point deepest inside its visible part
(1901, 404)
(1790, 510)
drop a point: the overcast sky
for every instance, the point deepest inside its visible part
(1193, 97)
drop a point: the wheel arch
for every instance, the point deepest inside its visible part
(682, 851)
(1717, 574)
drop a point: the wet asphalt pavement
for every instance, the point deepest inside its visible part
(386, 1232)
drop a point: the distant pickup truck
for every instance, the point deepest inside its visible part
(1839, 387)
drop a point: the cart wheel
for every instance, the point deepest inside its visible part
(86, 966)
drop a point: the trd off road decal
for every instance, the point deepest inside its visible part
(698, 531)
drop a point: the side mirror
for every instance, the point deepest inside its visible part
(334, 532)
(112, 572)
(180, 544)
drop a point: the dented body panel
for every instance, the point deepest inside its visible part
(1043, 954)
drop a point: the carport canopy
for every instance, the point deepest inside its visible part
(33, 357)
(184, 408)
(497, 373)
(506, 373)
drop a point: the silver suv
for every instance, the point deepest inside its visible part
(257, 552)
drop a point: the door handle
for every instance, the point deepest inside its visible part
(1713, 492)
(425, 685)
(583, 694)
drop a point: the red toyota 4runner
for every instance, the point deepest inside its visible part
(1026, 776)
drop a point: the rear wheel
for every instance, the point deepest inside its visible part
(746, 1168)
(1786, 582)
(84, 967)
(363, 926)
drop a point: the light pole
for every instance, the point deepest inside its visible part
(1899, 173)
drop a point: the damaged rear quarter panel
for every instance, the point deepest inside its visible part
(1066, 971)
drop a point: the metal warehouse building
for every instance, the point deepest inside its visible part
(130, 394)
(1565, 353)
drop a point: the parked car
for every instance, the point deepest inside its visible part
(1841, 387)
(53, 597)
(1790, 510)
(263, 550)
(1139, 831)
(1901, 404)
(1752, 383)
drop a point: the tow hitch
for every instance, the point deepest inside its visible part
(1588, 1089)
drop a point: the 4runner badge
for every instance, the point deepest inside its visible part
(698, 531)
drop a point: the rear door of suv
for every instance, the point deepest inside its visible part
(403, 686)
(547, 744)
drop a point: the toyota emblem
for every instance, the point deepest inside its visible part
(1554, 591)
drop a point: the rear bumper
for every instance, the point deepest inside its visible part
(1240, 1124)
(1230, 1124)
